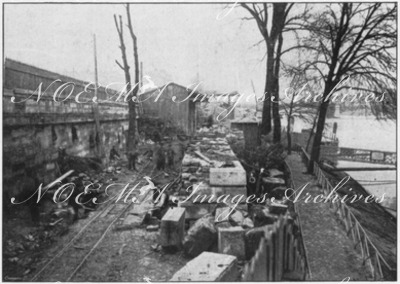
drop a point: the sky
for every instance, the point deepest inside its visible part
(184, 43)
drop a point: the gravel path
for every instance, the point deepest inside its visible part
(331, 254)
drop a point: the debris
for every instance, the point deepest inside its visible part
(222, 215)
(278, 192)
(152, 228)
(162, 201)
(264, 217)
(156, 247)
(186, 176)
(274, 173)
(278, 209)
(247, 223)
(121, 250)
(203, 157)
(271, 182)
(130, 222)
(56, 222)
(237, 218)
(192, 178)
(201, 236)
(77, 247)
(110, 169)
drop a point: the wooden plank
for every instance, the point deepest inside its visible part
(269, 257)
(292, 253)
(260, 273)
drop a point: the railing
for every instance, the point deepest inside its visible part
(278, 254)
(369, 252)
(368, 156)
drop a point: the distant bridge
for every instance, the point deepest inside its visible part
(367, 156)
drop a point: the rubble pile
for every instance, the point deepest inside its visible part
(210, 168)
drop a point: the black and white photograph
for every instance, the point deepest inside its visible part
(199, 141)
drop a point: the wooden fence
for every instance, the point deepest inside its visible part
(371, 256)
(279, 255)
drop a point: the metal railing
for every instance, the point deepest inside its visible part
(369, 252)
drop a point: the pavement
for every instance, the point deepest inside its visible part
(331, 254)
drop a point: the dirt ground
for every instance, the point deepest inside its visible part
(122, 255)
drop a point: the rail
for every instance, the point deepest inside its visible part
(369, 252)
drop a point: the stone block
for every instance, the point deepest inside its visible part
(231, 241)
(209, 267)
(173, 227)
(213, 192)
(228, 176)
(195, 211)
(202, 236)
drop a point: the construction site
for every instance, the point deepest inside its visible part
(178, 182)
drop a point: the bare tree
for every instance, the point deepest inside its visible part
(132, 93)
(272, 25)
(358, 43)
(298, 105)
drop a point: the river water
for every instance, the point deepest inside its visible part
(370, 134)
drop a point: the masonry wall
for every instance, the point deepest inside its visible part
(33, 131)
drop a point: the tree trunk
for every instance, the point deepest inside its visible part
(275, 113)
(315, 151)
(289, 137)
(312, 130)
(279, 9)
(266, 126)
(133, 126)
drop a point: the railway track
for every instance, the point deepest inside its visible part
(64, 265)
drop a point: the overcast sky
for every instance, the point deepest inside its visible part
(177, 42)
